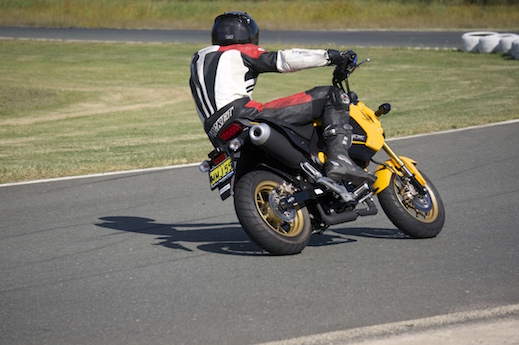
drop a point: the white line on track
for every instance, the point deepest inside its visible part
(196, 164)
(386, 334)
(122, 172)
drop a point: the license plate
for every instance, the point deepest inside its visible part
(221, 172)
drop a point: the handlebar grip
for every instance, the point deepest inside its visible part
(351, 55)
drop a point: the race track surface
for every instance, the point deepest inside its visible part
(154, 257)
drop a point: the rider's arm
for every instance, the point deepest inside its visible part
(289, 60)
(296, 59)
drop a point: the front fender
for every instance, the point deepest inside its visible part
(385, 172)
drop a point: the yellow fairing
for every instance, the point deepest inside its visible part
(385, 173)
(369, 122)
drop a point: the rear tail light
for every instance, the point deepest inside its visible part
(231, 131)
(218, 159)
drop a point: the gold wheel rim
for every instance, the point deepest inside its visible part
(261, 194)
(424, 217)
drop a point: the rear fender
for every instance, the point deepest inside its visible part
(385, 172)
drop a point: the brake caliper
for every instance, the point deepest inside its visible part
(277, 204)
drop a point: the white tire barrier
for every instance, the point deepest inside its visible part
(490, 42)
(515, 49)
(470, 40)
(505, 43)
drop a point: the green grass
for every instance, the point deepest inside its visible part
(78, 108)
(270, 14)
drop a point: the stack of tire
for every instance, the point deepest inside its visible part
(490, 42)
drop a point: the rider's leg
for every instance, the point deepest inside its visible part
(332, 105)
(337, 134)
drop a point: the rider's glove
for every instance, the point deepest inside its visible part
(342, 59)
(350, 60)
(335, 57)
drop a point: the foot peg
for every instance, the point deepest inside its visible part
(327, 182)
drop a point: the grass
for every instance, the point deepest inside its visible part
(81, 108)
(271, 14)
(78, 108)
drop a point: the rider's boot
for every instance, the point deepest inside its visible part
(337, 134)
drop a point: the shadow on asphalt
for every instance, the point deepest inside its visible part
(228, 238)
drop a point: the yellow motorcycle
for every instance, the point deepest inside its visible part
(275, 171)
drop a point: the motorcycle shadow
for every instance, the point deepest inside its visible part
(228, 237)
(382, 233)
(223, 238)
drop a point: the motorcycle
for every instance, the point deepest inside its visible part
(275, 171)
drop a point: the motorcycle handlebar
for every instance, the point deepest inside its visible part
(342, 72)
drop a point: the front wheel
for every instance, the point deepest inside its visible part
(419, 216)
(280, 231)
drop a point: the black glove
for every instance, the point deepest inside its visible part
(335, 57)
(344, 60)
(351, 58)
(345, 64)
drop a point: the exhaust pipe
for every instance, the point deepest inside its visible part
(275, 144)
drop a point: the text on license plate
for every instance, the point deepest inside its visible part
(221, 172)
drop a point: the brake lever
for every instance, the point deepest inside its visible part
(367, 60)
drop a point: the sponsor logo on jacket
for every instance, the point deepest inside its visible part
(220, 122)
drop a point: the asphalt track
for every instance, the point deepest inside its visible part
(154, 257)
(379, 38)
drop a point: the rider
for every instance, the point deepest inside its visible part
(223, 77)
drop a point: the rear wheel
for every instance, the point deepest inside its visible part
(280, 231)
(419, 216)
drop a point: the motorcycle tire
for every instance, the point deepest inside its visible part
(260, 218)
(405, 213)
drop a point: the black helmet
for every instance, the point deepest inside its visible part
(234, 28)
